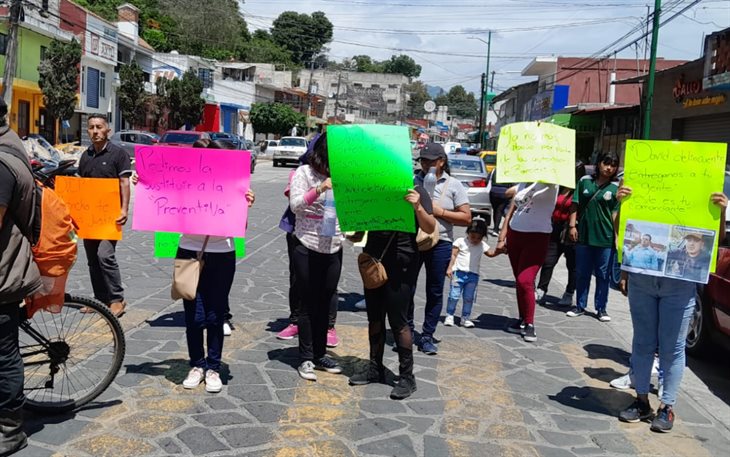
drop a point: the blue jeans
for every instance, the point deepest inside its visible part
(464, 283)
(207, 311)
(592, 260)
(436, 261)
(661, 309)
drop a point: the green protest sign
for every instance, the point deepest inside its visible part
(536, 152)
(371, 170)
(671, 183)
(166, 245)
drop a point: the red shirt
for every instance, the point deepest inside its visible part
(561, 213)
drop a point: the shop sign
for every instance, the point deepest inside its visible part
(709, 100)
(684, 88)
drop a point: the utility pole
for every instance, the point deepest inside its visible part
(481, 108)
(652, 70)
(309, 94)
(484, 104)
(337, 95)
(11, 56)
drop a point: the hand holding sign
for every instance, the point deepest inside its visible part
(192, 190)
(94, 205)
(536, 152)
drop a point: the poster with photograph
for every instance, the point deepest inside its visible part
(673, 251)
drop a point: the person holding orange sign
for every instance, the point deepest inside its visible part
(105, 160)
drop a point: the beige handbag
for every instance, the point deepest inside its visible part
(372, 270)
(186, 275)
(426, 241)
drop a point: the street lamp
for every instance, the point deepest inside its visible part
(484, 108)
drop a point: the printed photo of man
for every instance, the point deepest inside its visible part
(643, 255)
(692, 261)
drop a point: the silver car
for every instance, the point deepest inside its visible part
(127, 139)
(472, 174)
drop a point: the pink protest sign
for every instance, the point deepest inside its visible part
(192, 190)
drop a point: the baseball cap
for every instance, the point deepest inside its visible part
(432, 151)
(697, 235)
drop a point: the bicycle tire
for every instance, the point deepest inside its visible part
(96, 317)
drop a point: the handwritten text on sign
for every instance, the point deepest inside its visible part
(671, 183)
(94, 205)
(371, 174)
(536, 152)
(192, 190)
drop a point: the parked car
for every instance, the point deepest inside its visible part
(490, 159)
(247, 145)
(710, 324)
(263, 146)
(127, 139)
(288, 150)
(182, 137)
(452, 147)
(225, 136)
(471, 172)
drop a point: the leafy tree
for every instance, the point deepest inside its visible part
(403, 65)
(303, 35)
(131, 94)
(418, 95)
(460, 102)
(180, 98)
(260, 49)
(58, 76)
(276, 118)
(365, 64)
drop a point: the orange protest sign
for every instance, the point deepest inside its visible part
(94, 204)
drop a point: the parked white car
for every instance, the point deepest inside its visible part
(288, 150)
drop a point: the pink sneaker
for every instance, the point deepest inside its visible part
(289, 332)
(332, 340)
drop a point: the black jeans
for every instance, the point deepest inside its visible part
(498, 206)
(106, 280)
(207, 312)
(556, 248)
(392, 300)
(11, 364)
(317, 276)
(294, 295)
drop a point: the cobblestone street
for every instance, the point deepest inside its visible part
(486, 393)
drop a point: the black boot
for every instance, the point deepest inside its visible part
(375, 373)
(12, 436)
(404, 388)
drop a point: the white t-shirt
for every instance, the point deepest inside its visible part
(215, 243)
(534, 205)
(469, 256)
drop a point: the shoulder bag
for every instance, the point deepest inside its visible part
(425, 240)
(186, 275)
(372, 270)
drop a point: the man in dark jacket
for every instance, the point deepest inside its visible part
(19, 278)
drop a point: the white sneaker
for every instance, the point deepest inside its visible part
(623, 383)
(539, 295)
(449, 321)
(195, 377)
(213, 382)
(227, 329)
(361, 304)
(566, 300)
(306, 371)
(466, 323)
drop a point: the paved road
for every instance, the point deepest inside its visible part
(487, 393)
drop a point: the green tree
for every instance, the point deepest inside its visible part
(417, 96)
(132, 97)
(403, 65)
(276, 118)
(180, 99)
(260, 49)
(365, 64)
(58, 76)
(303, 35)
(460, 102)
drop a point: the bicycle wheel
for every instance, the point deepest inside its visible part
(70, 357)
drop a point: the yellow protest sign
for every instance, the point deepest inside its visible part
(536, 152)
(671, 183)
(94, 204)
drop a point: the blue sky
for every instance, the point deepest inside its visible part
(436, 33)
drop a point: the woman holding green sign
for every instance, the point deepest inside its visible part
(661, 309)
(317, 259)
